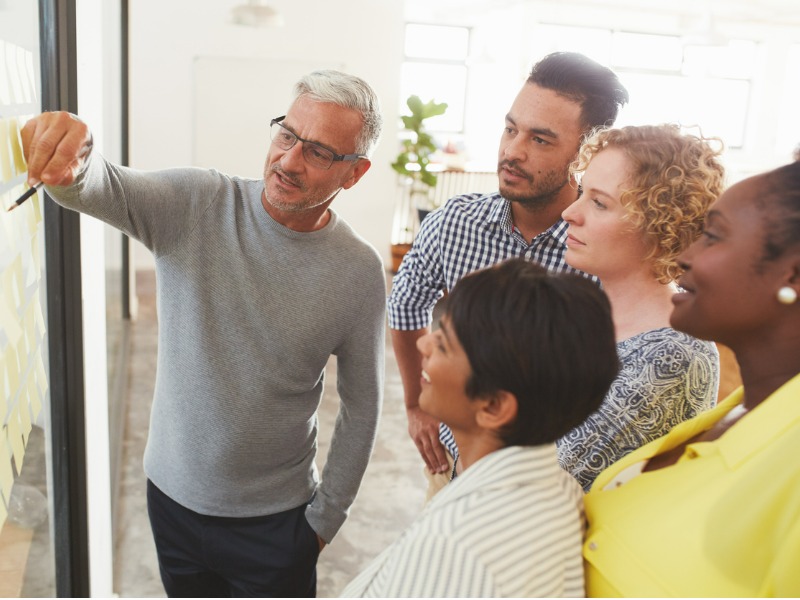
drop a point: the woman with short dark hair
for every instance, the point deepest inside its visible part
(521, 356)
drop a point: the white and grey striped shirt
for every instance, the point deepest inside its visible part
(510, 526)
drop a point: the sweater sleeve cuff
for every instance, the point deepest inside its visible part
(324, 517)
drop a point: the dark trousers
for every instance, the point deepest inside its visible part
(202, 556)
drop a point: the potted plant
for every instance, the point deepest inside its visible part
(413, 160)
(412, 165)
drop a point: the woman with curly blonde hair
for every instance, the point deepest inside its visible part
(644, 195)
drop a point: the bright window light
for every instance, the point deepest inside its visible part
(717, 106)
(439, 82)
(788, 135)
(436, 42)
(646, 51)
(592, 42)
(736, 60)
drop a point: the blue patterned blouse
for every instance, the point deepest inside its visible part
(666, 377)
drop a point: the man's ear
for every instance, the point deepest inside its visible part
(361, 166)
(497, 411)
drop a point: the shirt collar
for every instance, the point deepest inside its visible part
(505, 468)
(777, 414)
(500, 215)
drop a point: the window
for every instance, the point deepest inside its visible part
(435, 68)
(704, 83)
(788, 132)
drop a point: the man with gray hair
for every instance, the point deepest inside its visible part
(259, 284)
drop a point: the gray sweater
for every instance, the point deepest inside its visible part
(249, 314)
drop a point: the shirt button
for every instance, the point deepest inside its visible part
(592, 546)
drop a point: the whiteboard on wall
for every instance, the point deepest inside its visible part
(234, 101)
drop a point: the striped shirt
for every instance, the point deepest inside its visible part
(468, 233)
(510, 526)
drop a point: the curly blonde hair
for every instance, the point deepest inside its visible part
(673, 179)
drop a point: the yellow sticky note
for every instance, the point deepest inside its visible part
(16, 147)
(6, 171)
(6, 474)
(12, 370)
(37, 209)
(41, 376)
(35, 252)
(26, 73)
(9, 228)
(3, 394)
(3, 514)
(16, 270)
(24, 417)
(29, 326)
(30, 219)
(33, 396)
(5, 92)
(15, 439)
(15, 83)
(31, 75)
(22, 352)
(37, 305)
(9, 322)
(12, 286)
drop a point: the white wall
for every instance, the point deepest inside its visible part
(505, 44)
(98, 102)
(365, 37)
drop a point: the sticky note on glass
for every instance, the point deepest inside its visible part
(5, 92)
(15, 142)
(12, 369)
(6, 170)
(33, 396)
(15, 439)
(9, 322)
(41, 376)
(3, 514)
(6, 474)
(25, 418)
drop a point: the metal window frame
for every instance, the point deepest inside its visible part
(57, 26)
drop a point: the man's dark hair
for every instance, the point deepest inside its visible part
(595, 87)
(546, 338)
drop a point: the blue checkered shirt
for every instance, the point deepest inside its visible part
(468, 233)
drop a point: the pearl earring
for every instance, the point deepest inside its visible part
(787, 295)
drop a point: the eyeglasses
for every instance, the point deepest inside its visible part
(316, 155)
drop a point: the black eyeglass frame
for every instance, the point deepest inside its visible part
(336, 157)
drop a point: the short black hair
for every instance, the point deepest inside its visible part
(546, 338)
(596, 88)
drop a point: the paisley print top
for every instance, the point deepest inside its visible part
(665, 377)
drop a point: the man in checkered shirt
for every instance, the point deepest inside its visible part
(565, 96)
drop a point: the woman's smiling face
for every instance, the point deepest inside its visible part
(729, 291)
(445, 372)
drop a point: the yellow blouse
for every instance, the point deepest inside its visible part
(723, 521)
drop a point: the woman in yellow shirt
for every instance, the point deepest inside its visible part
(713, 507)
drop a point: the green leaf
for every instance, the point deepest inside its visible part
(415, 104)
(428, 177)
(432, 109)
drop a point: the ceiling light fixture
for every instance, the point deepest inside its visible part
(255, 13)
